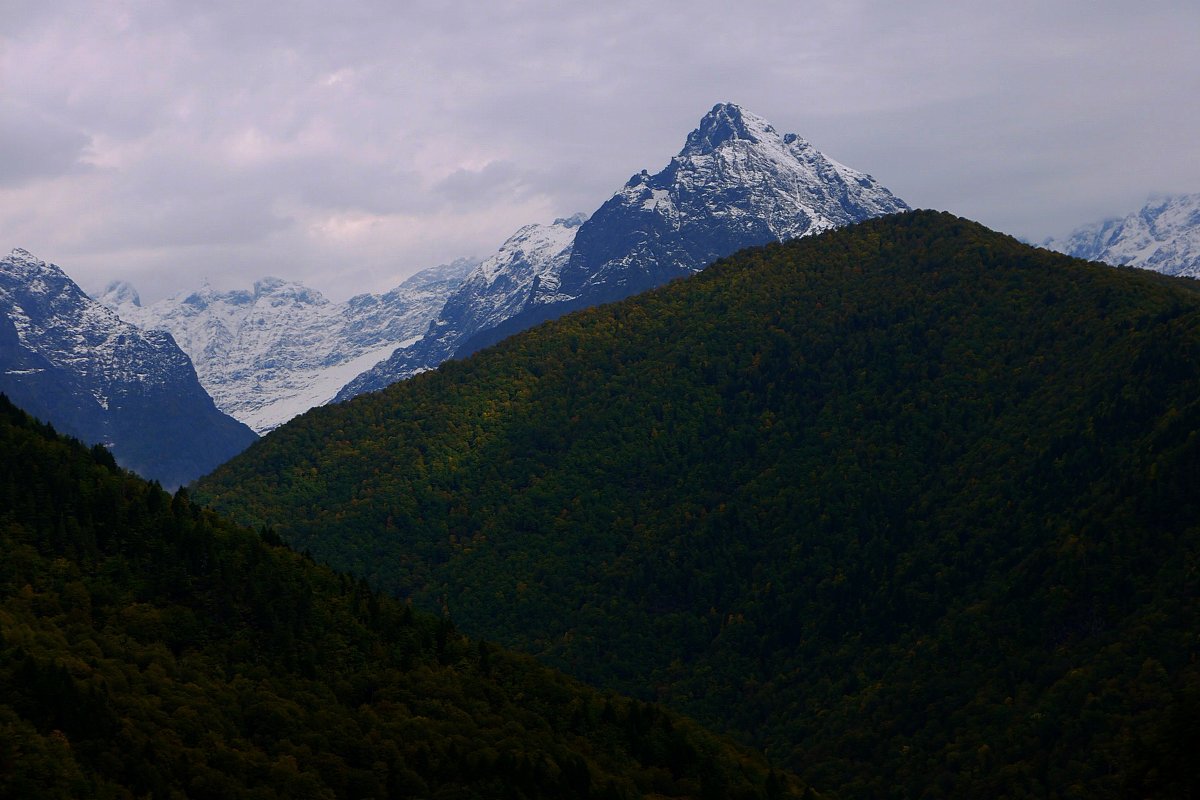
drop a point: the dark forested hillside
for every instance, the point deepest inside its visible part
(151, 649)
(911, 504)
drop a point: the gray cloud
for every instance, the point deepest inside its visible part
(349, 144)
(33, 145)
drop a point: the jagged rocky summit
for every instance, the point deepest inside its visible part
(736, 183)
(1163, 236)
(71, 362)
(270, 353)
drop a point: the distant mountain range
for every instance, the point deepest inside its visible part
(737, 182)
(273, 352)
(270, 353)
(73, 363)
(1163, 236)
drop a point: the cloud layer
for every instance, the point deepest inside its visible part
(349, 144)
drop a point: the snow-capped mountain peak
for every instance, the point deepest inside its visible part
(737, 182)
(22, 262)
(497, 289)
(119, 293)
(281, 291)
(52, 313)
(70, 360)
(1164, 235)
(529, 251)
(725, 123)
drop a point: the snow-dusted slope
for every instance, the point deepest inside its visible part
(496, 290)
(70, 361)
(736, 183)
(1163, 236)
(269, 354)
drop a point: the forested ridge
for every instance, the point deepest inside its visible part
(910, 504)
(149, 648)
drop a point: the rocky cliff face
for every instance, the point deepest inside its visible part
(73, 363)
(736, 183)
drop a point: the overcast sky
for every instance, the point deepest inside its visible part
(348, 143)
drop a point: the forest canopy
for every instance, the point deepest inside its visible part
(910, 504)
(150, 648)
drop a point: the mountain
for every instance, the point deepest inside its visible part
(495, 291)
(909, 504)
(276, 351)
(1163, 236)
(73, 363)
(736, 183)
(149, 648)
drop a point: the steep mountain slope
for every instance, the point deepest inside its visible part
(151, 649)
(1163, 236)
(269, 354)
(736, 183)
(73, 363)
(910, 503)
(495, 291)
